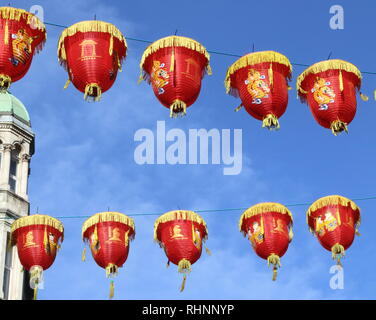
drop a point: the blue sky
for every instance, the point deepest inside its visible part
(84, 152)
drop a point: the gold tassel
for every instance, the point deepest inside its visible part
(178, 109)
(338, 252)
(357, 233)
(209, 70)
(110, 50)
(83, 256)
(238, 108)
(183, 283)
(364, 97)
(67, 84)
(338, 126)
(271, 122)
(6, 34)
(89, 92)
(289, 88)
(274, 273)
(112, 289)
(276, 262)
(35, 293)
(140, 78)
(208, 252)
(270, 74)
(111, 270)
(340, 80)
(119, 65)
(184, 266)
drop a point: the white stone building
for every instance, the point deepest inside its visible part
(16, 149)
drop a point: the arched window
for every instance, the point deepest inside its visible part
(14, 159)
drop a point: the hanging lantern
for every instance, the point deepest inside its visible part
(22, 35)
(175, 67)
(268, 226)
(181, 234)
(334, 220)
(108, 235)
(38, 238)
(330, 88)
(260, 80)
(92, 52)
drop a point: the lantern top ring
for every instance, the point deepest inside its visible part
(256, 58)
(322, 66)
(262, 208)
(35, 220)
(108, 217)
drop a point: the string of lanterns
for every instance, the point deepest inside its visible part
(92, 53)
(334, 220)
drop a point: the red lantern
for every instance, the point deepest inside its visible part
(108, 235)
(260, 80)
(334, 221)
(22, 35)
(330, 88)
(38, 238)
(181, 234)
(175, 67)
(92, 52)
(269, 229)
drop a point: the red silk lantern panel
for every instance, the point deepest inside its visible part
(334, 221)
(260, 80)
(175, 67)
(92, 52)
(38, 238)
(22, 35)
(108, 235)
(269, 229)
(330, 88)
(181, 234)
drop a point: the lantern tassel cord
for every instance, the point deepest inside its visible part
(35, 293)
(183, 283)
(270, 122)
(67, 84)
(112, 289)
(276, 262)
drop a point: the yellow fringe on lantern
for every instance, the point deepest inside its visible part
(37, 219)
(6, 34)
(332, 200)
(338, 252)
(174, 41)
(261, 208)
(88, 26)
(276, 262)
(18, 14)
(178, 109)
(111, 48)
(340, 81)
(291, 234)
(179, 215)
(93, 92)
(83, 255)
(271, 122)
(111, 270)
(338, 126)
(256, 58)
(326, 65)
(184, 266)
(5, 82)
(67, 84)
(109, 216)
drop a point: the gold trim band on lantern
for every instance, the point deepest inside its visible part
(88, 26)
(332, 200)
(16, 14)
(37, 219)
(175, 41)
(179, 215)
(262, 208)
(255, 58)
(107, 217)
(326, 65)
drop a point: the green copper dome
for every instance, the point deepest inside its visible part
(10, 105)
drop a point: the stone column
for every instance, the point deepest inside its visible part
(24, 176)
(5, 167)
